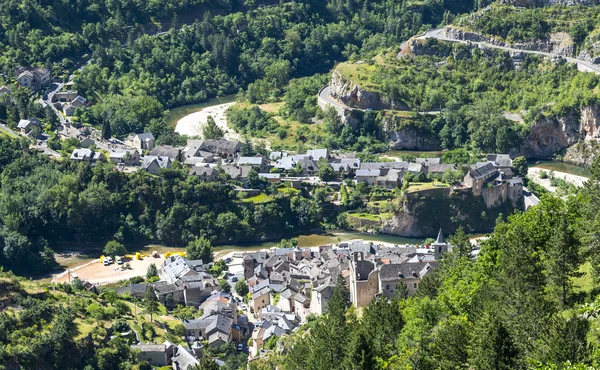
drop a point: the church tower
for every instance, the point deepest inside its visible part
(440, 246)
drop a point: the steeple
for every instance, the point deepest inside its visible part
(440, 238)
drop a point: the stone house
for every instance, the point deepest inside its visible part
(173, 153)
(127, 157)
(144, 141)
(367, 176)
(478, 174)
(155, 354)
(26, 125)
(261, 297)
(363, 280)
(86, 155)
(34, 78)
(392, 178)
(70, 108)
(259, 162)
(153, 164)
(207, 174)
(397, 276)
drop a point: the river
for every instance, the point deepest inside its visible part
(315, 240)
(569, 168)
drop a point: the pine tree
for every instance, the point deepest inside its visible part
(151, 302)
(106, 130)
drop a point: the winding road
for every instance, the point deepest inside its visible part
(582, 65)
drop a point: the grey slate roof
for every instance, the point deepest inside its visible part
(183, 359)
(481, 170)
(163, 162)
(367, 173)
(317, 154)
(146, 136)
(397, 271)
(166, 151)
(500, 160)
(440, 168)
(252, 161)
(427, 161)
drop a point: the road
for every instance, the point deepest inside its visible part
(437, 33)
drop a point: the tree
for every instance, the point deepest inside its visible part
(520, 166)
(241, 288)
(325, 171)
(114, 248)
(224, 285)
(200, 249)
(206, 363)
(152, 271)
(106, 130)
(151, 302)
(461, 244)
(211, 130)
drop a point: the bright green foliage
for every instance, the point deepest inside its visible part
(114, 248)
(241, 288)
(200, 249)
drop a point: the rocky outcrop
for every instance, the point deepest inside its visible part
(550, 135)
(355, 96)
(412, 138)
(423, 213)
(559, 43)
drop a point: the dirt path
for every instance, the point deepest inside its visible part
(191, 125)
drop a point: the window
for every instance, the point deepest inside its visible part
(263, 301)
(387, 287)
(415, 285)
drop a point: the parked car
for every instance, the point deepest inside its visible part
(119, 260)
(227, 260)
(234, 279)
(240, 347)
(107, 261)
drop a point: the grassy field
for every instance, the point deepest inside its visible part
(371, 217)
(418, 186)
(258, 199)
(361, 74)
(288, 191)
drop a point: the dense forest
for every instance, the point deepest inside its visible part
(522, 304)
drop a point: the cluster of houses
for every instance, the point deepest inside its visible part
(206, 159)
(286, 285)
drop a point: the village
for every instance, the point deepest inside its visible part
(283, 288)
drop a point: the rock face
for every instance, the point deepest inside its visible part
(550, 135)
(356, 96)
(425, 212)
(408, 136)
(559, 43)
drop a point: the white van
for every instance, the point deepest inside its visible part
(119, 260)
(107, 261)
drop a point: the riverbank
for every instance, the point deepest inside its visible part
(535, 174)
(192, 124)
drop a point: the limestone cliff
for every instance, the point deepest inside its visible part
(424, 213)
(559, 43)
(355, 96)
